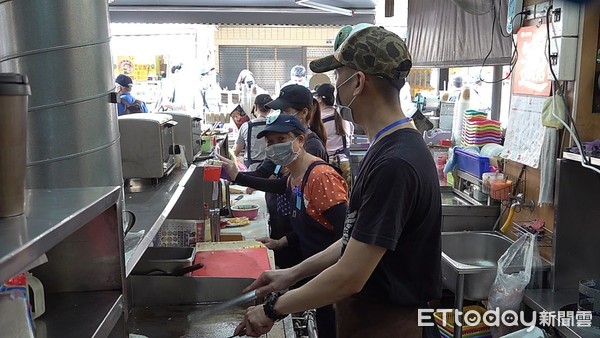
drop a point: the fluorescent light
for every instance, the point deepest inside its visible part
(324, 7)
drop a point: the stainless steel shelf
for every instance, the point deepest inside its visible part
(151, 202)
(554, 300)
(50, 217)
(80, 314)
(468, 177)
(577, 157)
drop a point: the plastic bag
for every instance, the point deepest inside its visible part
(553, 111)
(515, 269)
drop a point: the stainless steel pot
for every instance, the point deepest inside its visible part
(14, 93)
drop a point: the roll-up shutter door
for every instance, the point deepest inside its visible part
(268, 64)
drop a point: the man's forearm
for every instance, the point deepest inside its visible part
(344, 278)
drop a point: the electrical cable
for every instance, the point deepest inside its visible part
(515, 54)
(561, 89)
(573, 133)
(500, 21)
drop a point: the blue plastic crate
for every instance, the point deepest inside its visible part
(471, 163)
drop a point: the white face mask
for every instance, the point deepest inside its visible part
(282, 153)
(345, 111)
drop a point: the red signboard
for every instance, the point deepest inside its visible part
(530, 76)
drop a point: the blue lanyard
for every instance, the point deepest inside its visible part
(390, 126)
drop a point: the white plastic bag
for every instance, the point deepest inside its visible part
(515, 269)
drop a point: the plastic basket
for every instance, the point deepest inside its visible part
(478, 331)
(471, 163)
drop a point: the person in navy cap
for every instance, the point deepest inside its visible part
(126, 103)
(318, 195)
(297, 100)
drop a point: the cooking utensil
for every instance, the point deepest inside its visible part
(128, 220)
(237, 199)
(218, 308)
(178, 272)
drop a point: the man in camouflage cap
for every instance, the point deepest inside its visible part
(370, 49)
(390, 262)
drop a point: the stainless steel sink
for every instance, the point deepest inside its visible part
(470, 262)
(166, 306)
(470, 258)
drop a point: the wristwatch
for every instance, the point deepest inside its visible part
(269, 306)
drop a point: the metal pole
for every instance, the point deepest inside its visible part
(443, 80)
(496, 93)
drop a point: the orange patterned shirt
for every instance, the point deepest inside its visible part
(324, 189)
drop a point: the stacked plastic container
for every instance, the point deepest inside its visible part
(478, 130)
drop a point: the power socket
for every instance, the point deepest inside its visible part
(541, 9)
(531, 10)
(565, 18)
(563, 53)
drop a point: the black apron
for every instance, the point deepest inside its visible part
(313, 235)
(314, 238)
(279, 208)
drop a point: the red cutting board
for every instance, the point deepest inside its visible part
(242, 263)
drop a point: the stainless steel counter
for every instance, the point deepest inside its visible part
(50, 217)
(461, 212)
(259, 226)
(554, 300)
(150, 201)
(59, 221)
(151, 204)
(165, 306)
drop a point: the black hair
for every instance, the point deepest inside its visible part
(328, 100)
(314, 119)
(389, 89)
(262, 108)
(339, 124)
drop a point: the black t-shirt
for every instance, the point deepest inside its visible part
(314, 145)
(395, 203)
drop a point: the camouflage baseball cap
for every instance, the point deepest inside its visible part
(370, 49)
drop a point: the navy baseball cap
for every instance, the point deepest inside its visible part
(281, 123)
(124, 80)
(290, 96)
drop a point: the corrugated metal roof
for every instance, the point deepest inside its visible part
(275, 12)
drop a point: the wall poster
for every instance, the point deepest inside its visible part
(531, 73)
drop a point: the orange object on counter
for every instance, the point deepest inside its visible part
(500, 190)
(212, 173)
(241, 263)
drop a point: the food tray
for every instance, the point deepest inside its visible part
(471, 163)
(167, 259)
